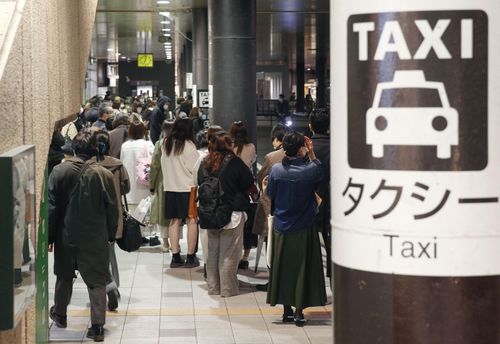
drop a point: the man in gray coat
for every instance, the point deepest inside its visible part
(82, 223)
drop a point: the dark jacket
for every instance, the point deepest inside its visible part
(116, 138)
(291, 186)
(157, 118)
(82, 223)
(236, 180)
(321, 145)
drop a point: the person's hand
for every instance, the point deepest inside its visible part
(309, 147)
(51, 247)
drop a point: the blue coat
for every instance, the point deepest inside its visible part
(291, 188)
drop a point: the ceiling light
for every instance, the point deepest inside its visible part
(110, 49)
(166, 34)
(124, 57)
(166, 29)
(161, 2)
(165, 14)
(164, 22)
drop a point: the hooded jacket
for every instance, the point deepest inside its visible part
(157, 118)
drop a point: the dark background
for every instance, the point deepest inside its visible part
(465, 81)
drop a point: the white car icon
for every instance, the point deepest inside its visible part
(410, 111)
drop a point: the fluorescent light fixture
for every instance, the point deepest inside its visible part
(161, 2)
(110, 49)
(118, 54)
(124, 57)
(164, 22)
(165, 14)
(166, 29)
(167, 35)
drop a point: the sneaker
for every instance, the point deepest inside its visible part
(192, 261)
(287, 314)
(96, 332)
(177, 261)
(145, 241)
(299, 318)
(113, 296)
(59, 320)
(243, 264)
(154, 241)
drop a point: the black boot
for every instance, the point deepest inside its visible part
(59, 320)
(192, 261)
(177, 261)
(96, 332)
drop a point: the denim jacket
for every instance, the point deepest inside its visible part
(291, 188)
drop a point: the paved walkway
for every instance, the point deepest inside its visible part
(163, 305)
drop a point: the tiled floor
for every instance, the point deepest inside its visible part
(163, 305)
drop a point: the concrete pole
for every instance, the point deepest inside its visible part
(415, 166)
(322, 40)
(300, 63)
(200, 48)
(232, 57)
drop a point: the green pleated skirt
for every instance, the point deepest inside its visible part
(296, 276)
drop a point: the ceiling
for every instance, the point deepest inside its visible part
(124, 28)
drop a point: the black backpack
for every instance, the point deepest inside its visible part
(214, 211)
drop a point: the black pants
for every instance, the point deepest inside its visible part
(97, 296)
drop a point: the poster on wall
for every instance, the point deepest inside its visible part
(17, 234)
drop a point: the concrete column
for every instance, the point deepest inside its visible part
(322, 41)
(415, 223)
(200, 48)
(300, 64)
(188, 60)
(232, 70)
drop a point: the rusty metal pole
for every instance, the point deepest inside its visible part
(415, 169)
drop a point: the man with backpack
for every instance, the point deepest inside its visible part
(83, 218)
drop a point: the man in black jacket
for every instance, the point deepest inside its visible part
(319, 123)
(83, 217)
(157, 117)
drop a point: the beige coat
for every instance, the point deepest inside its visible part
(263, 210)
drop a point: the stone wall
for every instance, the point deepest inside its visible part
(43, 82)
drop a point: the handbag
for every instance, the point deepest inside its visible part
(131, 238)
(193, 207)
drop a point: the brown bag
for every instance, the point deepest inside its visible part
(193, 208)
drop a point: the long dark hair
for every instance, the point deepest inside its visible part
(239, 134)
(218, 148)
(182, 131)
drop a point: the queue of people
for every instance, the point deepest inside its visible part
(199, 177)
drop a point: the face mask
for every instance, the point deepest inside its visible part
(165, 107)
(139, 110)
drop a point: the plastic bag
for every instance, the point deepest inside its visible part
(143, 209)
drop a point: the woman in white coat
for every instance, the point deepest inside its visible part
(135, 148)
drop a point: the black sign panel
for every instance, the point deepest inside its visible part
(418, 90)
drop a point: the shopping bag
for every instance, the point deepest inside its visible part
(143, 209)
(269, 252)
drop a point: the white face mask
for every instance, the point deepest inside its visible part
(165, 107)
(139, 110)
